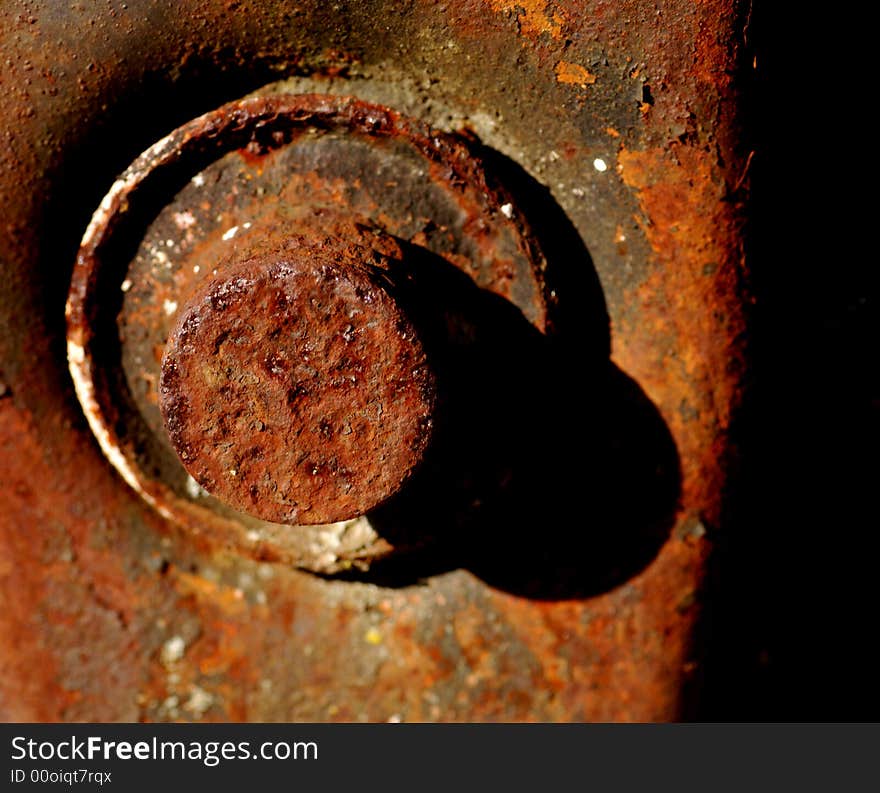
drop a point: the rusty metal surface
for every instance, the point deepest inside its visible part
(573, 593)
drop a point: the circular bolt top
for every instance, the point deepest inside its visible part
(293, 386)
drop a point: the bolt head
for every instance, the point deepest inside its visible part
(294, 388)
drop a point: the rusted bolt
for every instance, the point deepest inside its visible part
(295, 388)
(249, 189)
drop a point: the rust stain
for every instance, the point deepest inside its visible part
(230, 601)
(573, 74)
(535, 16)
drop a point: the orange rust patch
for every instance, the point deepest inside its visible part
(469, 627)
(573, 74)
(229, 601)
(533, 15)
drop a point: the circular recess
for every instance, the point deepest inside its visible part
(230, 190)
